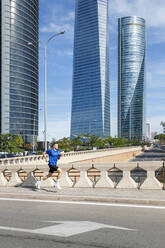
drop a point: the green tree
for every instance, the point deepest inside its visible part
(10, 143)
(110, 141)
(101, 143)
(116, 142)
(64, 144)
(147, 143)
(93, 140)
(90, 141)
(135, 142)
(161, 138)
(76, 142)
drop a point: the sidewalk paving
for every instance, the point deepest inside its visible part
(129, 196)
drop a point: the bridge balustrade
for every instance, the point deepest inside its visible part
(69, 157)
(130, 175)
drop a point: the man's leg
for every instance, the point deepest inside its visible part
(59, 171)
(46, 177)
(38, 185)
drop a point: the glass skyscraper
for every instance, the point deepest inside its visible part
(131, 77)
(90, 93)
(19, 68)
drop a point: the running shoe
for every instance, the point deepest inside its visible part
(58, 185)
(38, 184)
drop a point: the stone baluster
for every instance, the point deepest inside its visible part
(151, 182)
(14, 162)
(38, 160)
(17, 161)
(84, 181)
(6, 162)
(30, 182)
(65, 180)
(15, 179)
(41, 160)
(33, 160)
(3, 180)
(127, 181)
(22, 162)
(30, 161)
(48, 182)
(70, 158)
(104, 181)
(67, 159)
(26, 160)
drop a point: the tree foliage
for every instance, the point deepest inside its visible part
(64, 144)
(10, 143)
(161, 138)
(76, 142)
(86, 142)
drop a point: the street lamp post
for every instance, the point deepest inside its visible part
(45, 45)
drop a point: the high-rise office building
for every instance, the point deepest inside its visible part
(131, 77)
(90, 94)
(19, 68)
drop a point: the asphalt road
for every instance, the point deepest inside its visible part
(155, 154)
(25, 224)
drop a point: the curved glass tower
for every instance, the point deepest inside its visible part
(19, 68)
(90, 94)
(131, 77)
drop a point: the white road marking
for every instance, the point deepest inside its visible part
(86, 203)
(66, 228)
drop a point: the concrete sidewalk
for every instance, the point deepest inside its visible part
(144, 197)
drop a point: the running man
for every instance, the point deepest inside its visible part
(54, 154)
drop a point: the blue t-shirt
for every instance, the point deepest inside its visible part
(53, 156)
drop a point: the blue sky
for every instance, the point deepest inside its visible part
(58, 15)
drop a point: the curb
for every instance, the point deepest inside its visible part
(99, 199)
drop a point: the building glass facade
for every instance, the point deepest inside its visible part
(131, 77)
(91, 93)
(0, 61)
(19, 77)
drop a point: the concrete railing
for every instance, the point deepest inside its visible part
(110, 175)
(68, 157)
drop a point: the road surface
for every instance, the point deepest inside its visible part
(155, 154)
(42, 224)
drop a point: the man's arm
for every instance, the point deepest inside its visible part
(60, 155)
(45, 156)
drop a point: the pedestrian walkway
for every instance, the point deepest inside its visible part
(131, 196)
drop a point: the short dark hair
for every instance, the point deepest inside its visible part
(54, 143)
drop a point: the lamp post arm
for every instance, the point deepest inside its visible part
(53, 37)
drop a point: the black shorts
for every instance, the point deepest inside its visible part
(52, 168)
